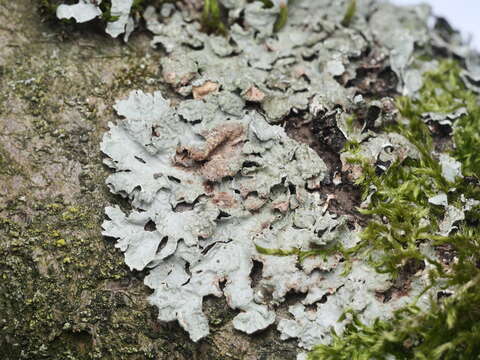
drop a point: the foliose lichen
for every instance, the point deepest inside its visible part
(423, 202)
(216, 184)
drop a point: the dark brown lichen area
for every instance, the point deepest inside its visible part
(65, 292)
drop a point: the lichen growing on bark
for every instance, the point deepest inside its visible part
(425, 202)
(326, 85)
(167, 156)
(76, 297)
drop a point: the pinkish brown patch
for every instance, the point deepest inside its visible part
(253, 202)
(222, 148)
(172, 78)
(224, 200)
(199, 92)
(253, 94)
(282, 206)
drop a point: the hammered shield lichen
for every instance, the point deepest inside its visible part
(216, 184)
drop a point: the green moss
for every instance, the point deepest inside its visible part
(107, 12)
(49, 7)
(277, 252)
(401, 215)
(401, 218)
(212, 17)
(445, 92)
(351, 146)
(282, 18)
(350, 13)
(449, 331)
(302, 254)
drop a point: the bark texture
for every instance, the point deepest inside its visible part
(65, 292)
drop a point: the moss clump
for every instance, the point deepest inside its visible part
(449, 331)
(445, 92)
(402, 216)
(211, 17)
(402, 219)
